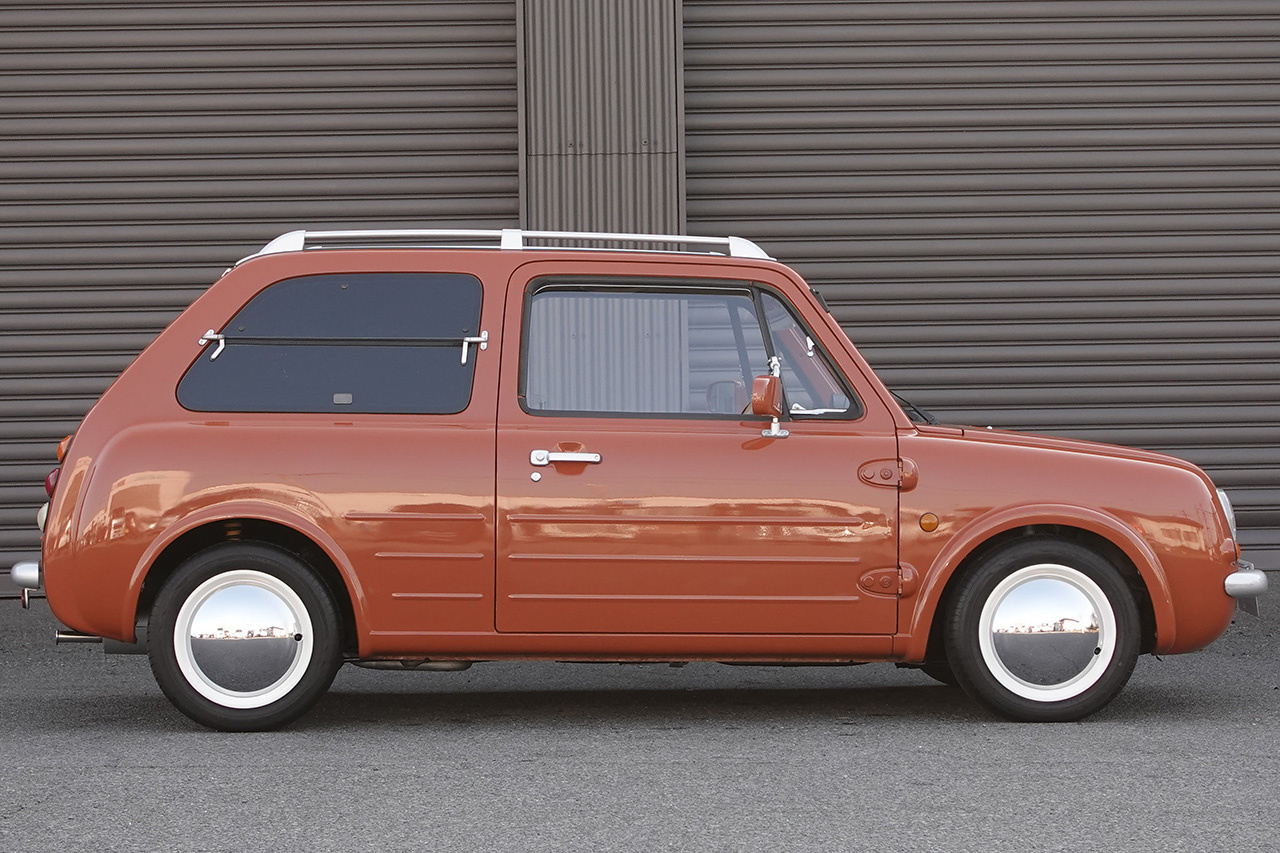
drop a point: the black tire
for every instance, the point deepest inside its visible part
(244, 637)
(1012, 656)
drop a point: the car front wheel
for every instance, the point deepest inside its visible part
(1043, 631)
(244, 637)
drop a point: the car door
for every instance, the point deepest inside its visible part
(635, 497)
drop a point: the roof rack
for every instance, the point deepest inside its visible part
(506, 239)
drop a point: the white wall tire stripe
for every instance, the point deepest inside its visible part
(210, 689)
(1093, 671)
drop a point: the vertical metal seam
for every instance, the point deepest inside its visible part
(602, 116)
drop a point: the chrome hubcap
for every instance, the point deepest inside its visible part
(1047, 632)
(243, 639)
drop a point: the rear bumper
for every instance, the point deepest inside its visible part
(1245, 584)
(26, 575)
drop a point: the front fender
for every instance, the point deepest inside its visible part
(914, 640)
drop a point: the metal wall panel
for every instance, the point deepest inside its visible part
(1058, 216)
(623, 192)
(602, 112)
(145, 146)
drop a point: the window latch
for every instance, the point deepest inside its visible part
(212, 335)
(482, 340)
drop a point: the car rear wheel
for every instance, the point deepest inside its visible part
(244, 637)
(1043, 631)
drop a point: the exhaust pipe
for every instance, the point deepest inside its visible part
(66, 637)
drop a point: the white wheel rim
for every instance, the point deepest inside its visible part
(275, 619)
(1013, 615)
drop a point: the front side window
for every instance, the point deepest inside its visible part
(635, 352)
(810, 386)
(353, 343)
(691, 352)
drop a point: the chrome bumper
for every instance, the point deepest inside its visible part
(1245, 584)
(27, 576)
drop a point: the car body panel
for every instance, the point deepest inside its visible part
(1158, 511)
(685, 525)
(723, 543)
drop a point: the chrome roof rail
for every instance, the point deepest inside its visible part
(506, 239)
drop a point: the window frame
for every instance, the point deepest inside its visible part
(343, 342)
(675, 285)
(857, 409)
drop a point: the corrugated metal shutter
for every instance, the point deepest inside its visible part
(602, 116)
(145, 146)
(1053, 216)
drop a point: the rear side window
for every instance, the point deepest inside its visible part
(388, 343)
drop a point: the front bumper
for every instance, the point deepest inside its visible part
(1245, 584)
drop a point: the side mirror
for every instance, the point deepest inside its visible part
(766, 396)
(766, 400)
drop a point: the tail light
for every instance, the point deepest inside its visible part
(51, 481)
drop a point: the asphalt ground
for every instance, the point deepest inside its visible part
(578, 757)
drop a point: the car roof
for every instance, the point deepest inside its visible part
(511, 239)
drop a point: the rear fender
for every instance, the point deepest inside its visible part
(256, 510)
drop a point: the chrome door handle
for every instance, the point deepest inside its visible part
(546, 457)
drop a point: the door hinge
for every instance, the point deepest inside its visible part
(901, 581)
(881, 581)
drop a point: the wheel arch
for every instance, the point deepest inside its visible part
(310, 546)
(1122, 546)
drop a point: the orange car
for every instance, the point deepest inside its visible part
(375, 448)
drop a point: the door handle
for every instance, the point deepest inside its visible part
(546, 457)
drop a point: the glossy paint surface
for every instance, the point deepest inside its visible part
(687, 526)
(1158, 512)
(690, 538)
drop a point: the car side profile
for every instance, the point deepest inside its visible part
(425, 449)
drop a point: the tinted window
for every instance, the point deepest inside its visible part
(387, 343)
(408, 305)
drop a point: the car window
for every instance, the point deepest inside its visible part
(690, 353)
(810, 386)
(367, 343)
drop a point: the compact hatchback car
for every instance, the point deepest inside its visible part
(383, 449)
